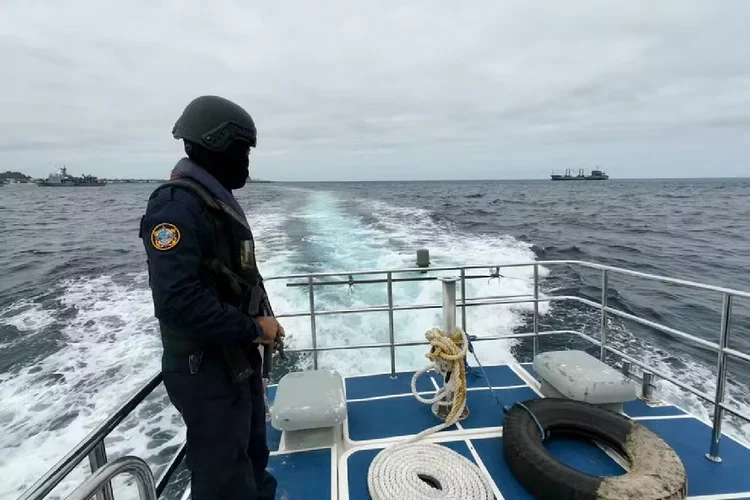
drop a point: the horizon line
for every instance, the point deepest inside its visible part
(513, 179)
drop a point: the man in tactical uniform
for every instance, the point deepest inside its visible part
(211, 304)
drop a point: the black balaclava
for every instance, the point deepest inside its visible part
(230, 167)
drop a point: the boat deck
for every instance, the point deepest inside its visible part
(382, 410)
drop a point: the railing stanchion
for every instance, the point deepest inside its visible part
(312, 322)
(449, 306)
(535, 349)
(449, 328)
(603, 333)
(647, 385)
(463, 299)
(721, 378)
(391, 336)
(97, 460)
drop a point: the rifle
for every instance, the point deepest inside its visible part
(268, 349)
(256, 304)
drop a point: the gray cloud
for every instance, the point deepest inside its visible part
(350, 90)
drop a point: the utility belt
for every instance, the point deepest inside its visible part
(235, 358)
(238, 369)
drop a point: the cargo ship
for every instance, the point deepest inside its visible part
(596, 175)
(63, 179)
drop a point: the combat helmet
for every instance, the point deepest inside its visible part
(214, 123)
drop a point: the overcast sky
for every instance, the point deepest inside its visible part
(352, 90)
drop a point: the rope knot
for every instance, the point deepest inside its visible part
(446, 348)
(447, 355)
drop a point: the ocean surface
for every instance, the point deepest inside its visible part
(77, 333)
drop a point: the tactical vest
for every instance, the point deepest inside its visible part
(234, 277)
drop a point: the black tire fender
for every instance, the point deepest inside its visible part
(656, 471)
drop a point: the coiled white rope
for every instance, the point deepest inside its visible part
(421, 471)
(395, 474)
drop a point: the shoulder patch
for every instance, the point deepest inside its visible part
(165, 236)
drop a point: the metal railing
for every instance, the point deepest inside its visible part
(101, 479)
(93, 445)
(721, 348)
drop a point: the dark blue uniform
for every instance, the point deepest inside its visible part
(202, 324)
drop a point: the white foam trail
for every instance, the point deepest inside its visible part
(26, 316)
(350, 244)
(51, 404)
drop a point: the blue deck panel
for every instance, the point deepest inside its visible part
(690, 438)
(404, 415)
(308, 473)
(484, 410)
(499, 376)
(578, 454)
(638, 408)
(388, 417)
(302, 475)
(359, 462)
(384, 385)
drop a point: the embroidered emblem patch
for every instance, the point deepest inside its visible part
(165, 236)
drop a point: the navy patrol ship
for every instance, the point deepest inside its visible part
(63, 179)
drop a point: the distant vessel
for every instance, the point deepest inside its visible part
(596, 175)
(63, 179)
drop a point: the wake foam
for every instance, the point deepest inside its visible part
(108, 347)
(348, 242)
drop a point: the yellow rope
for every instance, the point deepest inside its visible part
(448, 354)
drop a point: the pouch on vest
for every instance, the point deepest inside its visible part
(247, 255)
